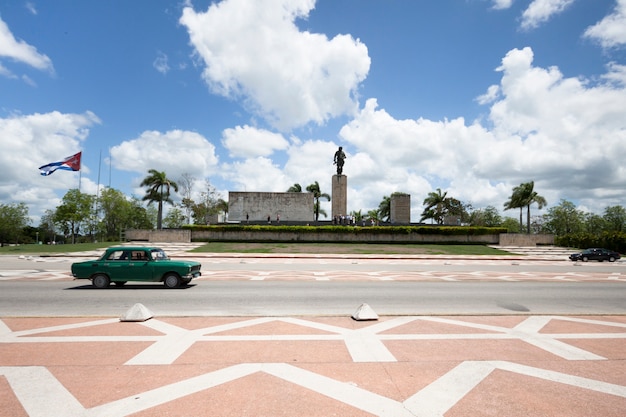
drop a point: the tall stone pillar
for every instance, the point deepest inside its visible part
(339, 198)
(400, 208)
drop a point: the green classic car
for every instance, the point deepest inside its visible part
(136, 263)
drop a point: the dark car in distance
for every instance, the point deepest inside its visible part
(136, 263)
(595, 254)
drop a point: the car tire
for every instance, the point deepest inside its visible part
(611, 259)
(100, 281)
(119, 283)
(585, 259)
(171, 281)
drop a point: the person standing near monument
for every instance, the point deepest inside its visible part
(340, 157)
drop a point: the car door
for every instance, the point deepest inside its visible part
(116, 265)
(139, 267)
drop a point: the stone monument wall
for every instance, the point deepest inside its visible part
(259, 205)
(400, 209)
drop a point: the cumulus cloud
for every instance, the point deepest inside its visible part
(20, 51)
(255, 51)
(30, 141)
(176, 152)
(540, 11)
(561, 132)
(250, 142)
(610, 31)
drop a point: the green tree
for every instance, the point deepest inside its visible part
(511, 225)
(13, 220)
(158, 191)
(207, 206)
(594, 224)
(435, 208)
(615, 217)
(74, 211)
(564, 219)
(384, 209)
(357, 216)
(516, 200)
(317, 194)
(175, 218)
(528, 197)
(47, 226)
(487, 217)
(372, 216)
(116, 212)
(296, 188)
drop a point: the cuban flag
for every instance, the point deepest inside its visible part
(71, 163)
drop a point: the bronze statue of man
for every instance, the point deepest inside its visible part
(340, 157)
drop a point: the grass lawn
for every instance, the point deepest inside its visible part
(250, 247)
(349, 248)
(34, 249)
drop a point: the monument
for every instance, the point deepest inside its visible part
(339, 197)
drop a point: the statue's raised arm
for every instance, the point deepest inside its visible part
(340, 157)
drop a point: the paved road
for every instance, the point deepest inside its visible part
(64, 352)
(285, 298)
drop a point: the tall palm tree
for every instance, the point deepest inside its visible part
(530, 196)
(158, 190)
(516, 200)
(435, 206)
(317, 194)
(296, 188)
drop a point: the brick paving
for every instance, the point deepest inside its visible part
(426, 366)
(314, 366)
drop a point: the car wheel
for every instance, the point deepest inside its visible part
(585, 259)
(100, 281)
(171, 281)
(119, 283)
(611, 259)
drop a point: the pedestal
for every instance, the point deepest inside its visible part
(339, 198)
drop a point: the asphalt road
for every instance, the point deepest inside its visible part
(288, 298)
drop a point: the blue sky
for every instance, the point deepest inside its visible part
(470, 96)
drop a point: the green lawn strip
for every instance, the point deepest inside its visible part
(348, 248)
(34, 249)
(277, 248)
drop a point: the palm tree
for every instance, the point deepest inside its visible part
(530, 196)
(384, 209)
(317, 194)
(435, 206)
(158, 190)
(296, 188)
(516, 200)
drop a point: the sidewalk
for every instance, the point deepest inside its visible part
(313, 366)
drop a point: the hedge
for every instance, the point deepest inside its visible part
(404, 230)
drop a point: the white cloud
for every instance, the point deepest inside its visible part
(175, 152)
(491, 95)
(161, 63)
(540, 11)
(610, 31)
(563, 133)
(31, 7)
(21, 51)
(254, 51)
(502, 4)
(250, 142)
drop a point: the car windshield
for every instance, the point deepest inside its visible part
(158, 254)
